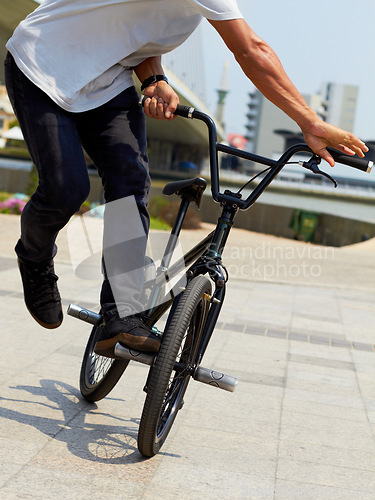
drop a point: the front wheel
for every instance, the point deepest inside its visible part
(174, 366)
(99, 374)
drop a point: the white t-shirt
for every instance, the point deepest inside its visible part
(81, 52)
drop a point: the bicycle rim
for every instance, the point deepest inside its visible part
(99, 374)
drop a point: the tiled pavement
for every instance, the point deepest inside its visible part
(297, 329)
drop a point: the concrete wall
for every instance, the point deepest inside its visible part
(16, 180)
(13, 181)
(261, 218)
(270, 219)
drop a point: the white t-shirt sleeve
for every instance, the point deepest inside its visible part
(215, 10)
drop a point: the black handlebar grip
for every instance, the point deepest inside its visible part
(185, 111)
(351, 161)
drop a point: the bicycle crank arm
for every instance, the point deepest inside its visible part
(146, 358)
(204, 375)
(84, 314)
(215, 379)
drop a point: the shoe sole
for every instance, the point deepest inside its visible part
(145, 344)
(49, 326)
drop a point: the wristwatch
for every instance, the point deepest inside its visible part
(152, 79)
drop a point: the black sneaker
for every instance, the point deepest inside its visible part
(41, 294)
(131, 331)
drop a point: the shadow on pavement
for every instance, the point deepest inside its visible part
(98, 442)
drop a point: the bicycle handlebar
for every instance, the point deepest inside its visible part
(276, 165)
(351, 161)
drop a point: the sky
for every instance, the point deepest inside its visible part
(323, 40)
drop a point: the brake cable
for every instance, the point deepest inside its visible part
(311, 165)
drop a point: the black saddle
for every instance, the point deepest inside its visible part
(189, 189)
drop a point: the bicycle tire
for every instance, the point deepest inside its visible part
(99, 374)
(165, 389)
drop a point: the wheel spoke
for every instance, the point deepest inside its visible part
(99, 367)
(99, 374)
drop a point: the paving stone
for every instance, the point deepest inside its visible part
(288, 490)
(300, 423)
(278, 334)
(361, 346)
(303, 337)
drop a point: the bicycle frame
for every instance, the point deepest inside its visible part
(216, 147)
(205, 257)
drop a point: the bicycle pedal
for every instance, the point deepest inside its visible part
(123, 352)
(215, 379)
(84, 314)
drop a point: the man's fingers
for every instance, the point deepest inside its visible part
(346, 149)
(321, 134)
(351, 145)
(171, 107)
(162, 102)
(326, 156)
(154, 107)
(353, 150)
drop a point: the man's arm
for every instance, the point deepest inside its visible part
(163, 99)
(262, 66)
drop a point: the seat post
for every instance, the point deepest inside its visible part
(173, 237)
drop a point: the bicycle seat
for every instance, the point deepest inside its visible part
(190, 189)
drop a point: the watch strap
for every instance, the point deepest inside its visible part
(153, 79)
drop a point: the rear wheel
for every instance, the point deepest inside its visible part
(99, 374)
(174, 366)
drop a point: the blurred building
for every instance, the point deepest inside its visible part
(334, 103)
(337, 104)
(263, 118)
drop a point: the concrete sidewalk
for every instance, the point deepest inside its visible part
(297, 329)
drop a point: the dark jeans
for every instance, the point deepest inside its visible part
(114, 137)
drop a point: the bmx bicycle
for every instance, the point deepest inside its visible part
(192, 312)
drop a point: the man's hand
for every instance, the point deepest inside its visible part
(320, 134)
(262, 66)
(162, 101)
